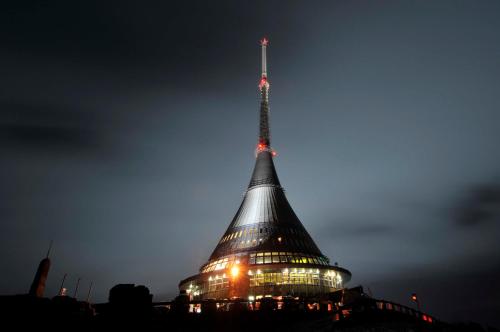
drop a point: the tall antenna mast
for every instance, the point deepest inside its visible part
(264, 136)
(263, 44)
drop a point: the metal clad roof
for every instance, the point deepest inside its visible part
(265, 206)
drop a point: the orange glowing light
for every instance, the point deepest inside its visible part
(235, 271)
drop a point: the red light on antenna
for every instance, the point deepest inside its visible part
(264, 41)
(414, 297)
(263, 82)
(274, 153)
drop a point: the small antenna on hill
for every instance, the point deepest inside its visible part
(90, 290)
(61, 289)
(76, 288)
(50, 248)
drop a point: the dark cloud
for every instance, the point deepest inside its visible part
(47, 128)
(465, 292)
(481, 205)
(44, 137)
(177, 36)
(371, 229)
(356, 229)
(379, 111)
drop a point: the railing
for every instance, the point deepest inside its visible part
(336, 311)
(396, 307)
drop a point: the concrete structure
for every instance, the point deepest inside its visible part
(38, 286)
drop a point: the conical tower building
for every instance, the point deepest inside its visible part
(265, 251)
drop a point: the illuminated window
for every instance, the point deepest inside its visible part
(267, 258)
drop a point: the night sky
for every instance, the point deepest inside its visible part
(127, 135)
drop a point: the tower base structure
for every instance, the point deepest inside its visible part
(267, 280)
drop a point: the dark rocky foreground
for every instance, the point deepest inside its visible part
(131, 308)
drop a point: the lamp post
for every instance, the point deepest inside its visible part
(414, 298)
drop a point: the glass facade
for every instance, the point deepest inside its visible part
(294, 281)
(296, 276)
(286, 257)
(266, 273)
(269, 257)
(252, 235)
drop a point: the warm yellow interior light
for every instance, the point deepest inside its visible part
(235, 271)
